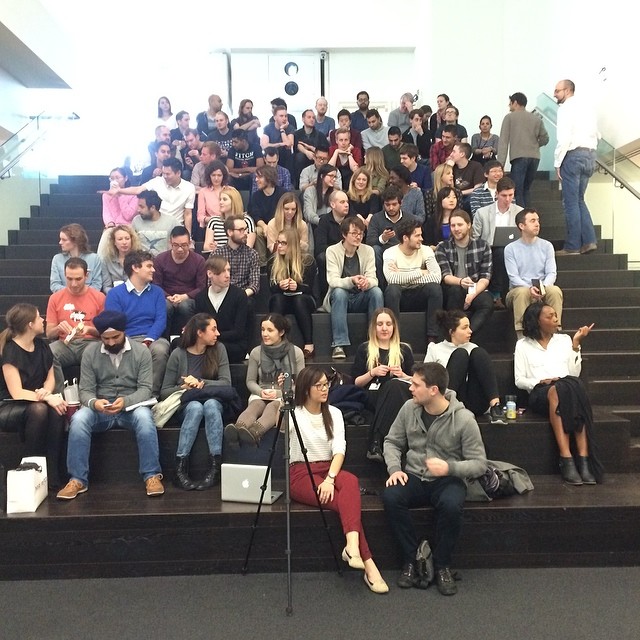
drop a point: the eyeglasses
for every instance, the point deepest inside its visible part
(321, 386)
(355, 234)
(182, 245)
(241, 229)
(284, 243)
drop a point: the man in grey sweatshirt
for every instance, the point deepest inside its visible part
(442, 445)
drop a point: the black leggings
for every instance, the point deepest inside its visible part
(40, 428)
(301, 306)
(388, 402)
(472, 377)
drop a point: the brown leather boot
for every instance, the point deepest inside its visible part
(252, 434)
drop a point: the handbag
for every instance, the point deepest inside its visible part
(71, 392)
(164, 410)
(27, 485)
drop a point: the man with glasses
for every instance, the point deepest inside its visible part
(243, 260)
(309, 175)
(353, 286)
(328, 232)
(181, 274)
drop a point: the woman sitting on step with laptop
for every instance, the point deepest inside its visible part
(383, 367)
(323, 435)
(268, 362)
(547, 365)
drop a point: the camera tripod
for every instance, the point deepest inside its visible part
(287, 410)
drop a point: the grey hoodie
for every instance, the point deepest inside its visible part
(453, 436)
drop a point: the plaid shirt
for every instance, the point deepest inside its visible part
(245, 266)
(478, 259)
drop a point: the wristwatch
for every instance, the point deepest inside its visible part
(331, 475)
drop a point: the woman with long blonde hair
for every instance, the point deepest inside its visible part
(363, 201)
(374, 164)
(288, 216)
(122, 240)
(382, 365)
(291, 276)
(231, 205)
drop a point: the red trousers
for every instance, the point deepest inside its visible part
(346, 497)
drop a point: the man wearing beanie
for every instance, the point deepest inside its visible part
(115, 375)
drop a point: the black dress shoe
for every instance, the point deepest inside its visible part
(445, 582)
(410, 578)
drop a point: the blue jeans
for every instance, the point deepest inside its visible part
(577, 167)
(446, 495)
(85, 422)
(192, 415)
(523, 173)
(354, 301)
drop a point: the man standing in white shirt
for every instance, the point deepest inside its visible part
(575, 161)
(413, 275)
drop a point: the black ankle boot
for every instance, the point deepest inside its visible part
(585, 471)
(182, 479)
(213, 474)
(569, 472)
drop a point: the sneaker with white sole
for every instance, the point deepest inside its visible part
(71, 490)
(154, 486)
(338, 353)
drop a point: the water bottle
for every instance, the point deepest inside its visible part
(511, 408)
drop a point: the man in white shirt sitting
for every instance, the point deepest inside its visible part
(413, 276)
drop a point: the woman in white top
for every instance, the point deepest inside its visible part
(547, 365)
(471, 373)
(230, 205)
(322, 431)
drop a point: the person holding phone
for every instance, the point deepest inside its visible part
(528, 258)
(466, 271)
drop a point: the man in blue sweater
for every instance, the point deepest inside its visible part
(144, 305)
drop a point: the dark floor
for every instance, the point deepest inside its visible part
(536, 604)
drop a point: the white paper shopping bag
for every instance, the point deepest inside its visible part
(27, 486)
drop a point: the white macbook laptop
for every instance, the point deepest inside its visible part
(505, 235)
(242, 482)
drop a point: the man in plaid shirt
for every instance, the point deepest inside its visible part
(243, 260)
(466, 271)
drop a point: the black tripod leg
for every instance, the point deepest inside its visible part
(263, 488)
(315, 491)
